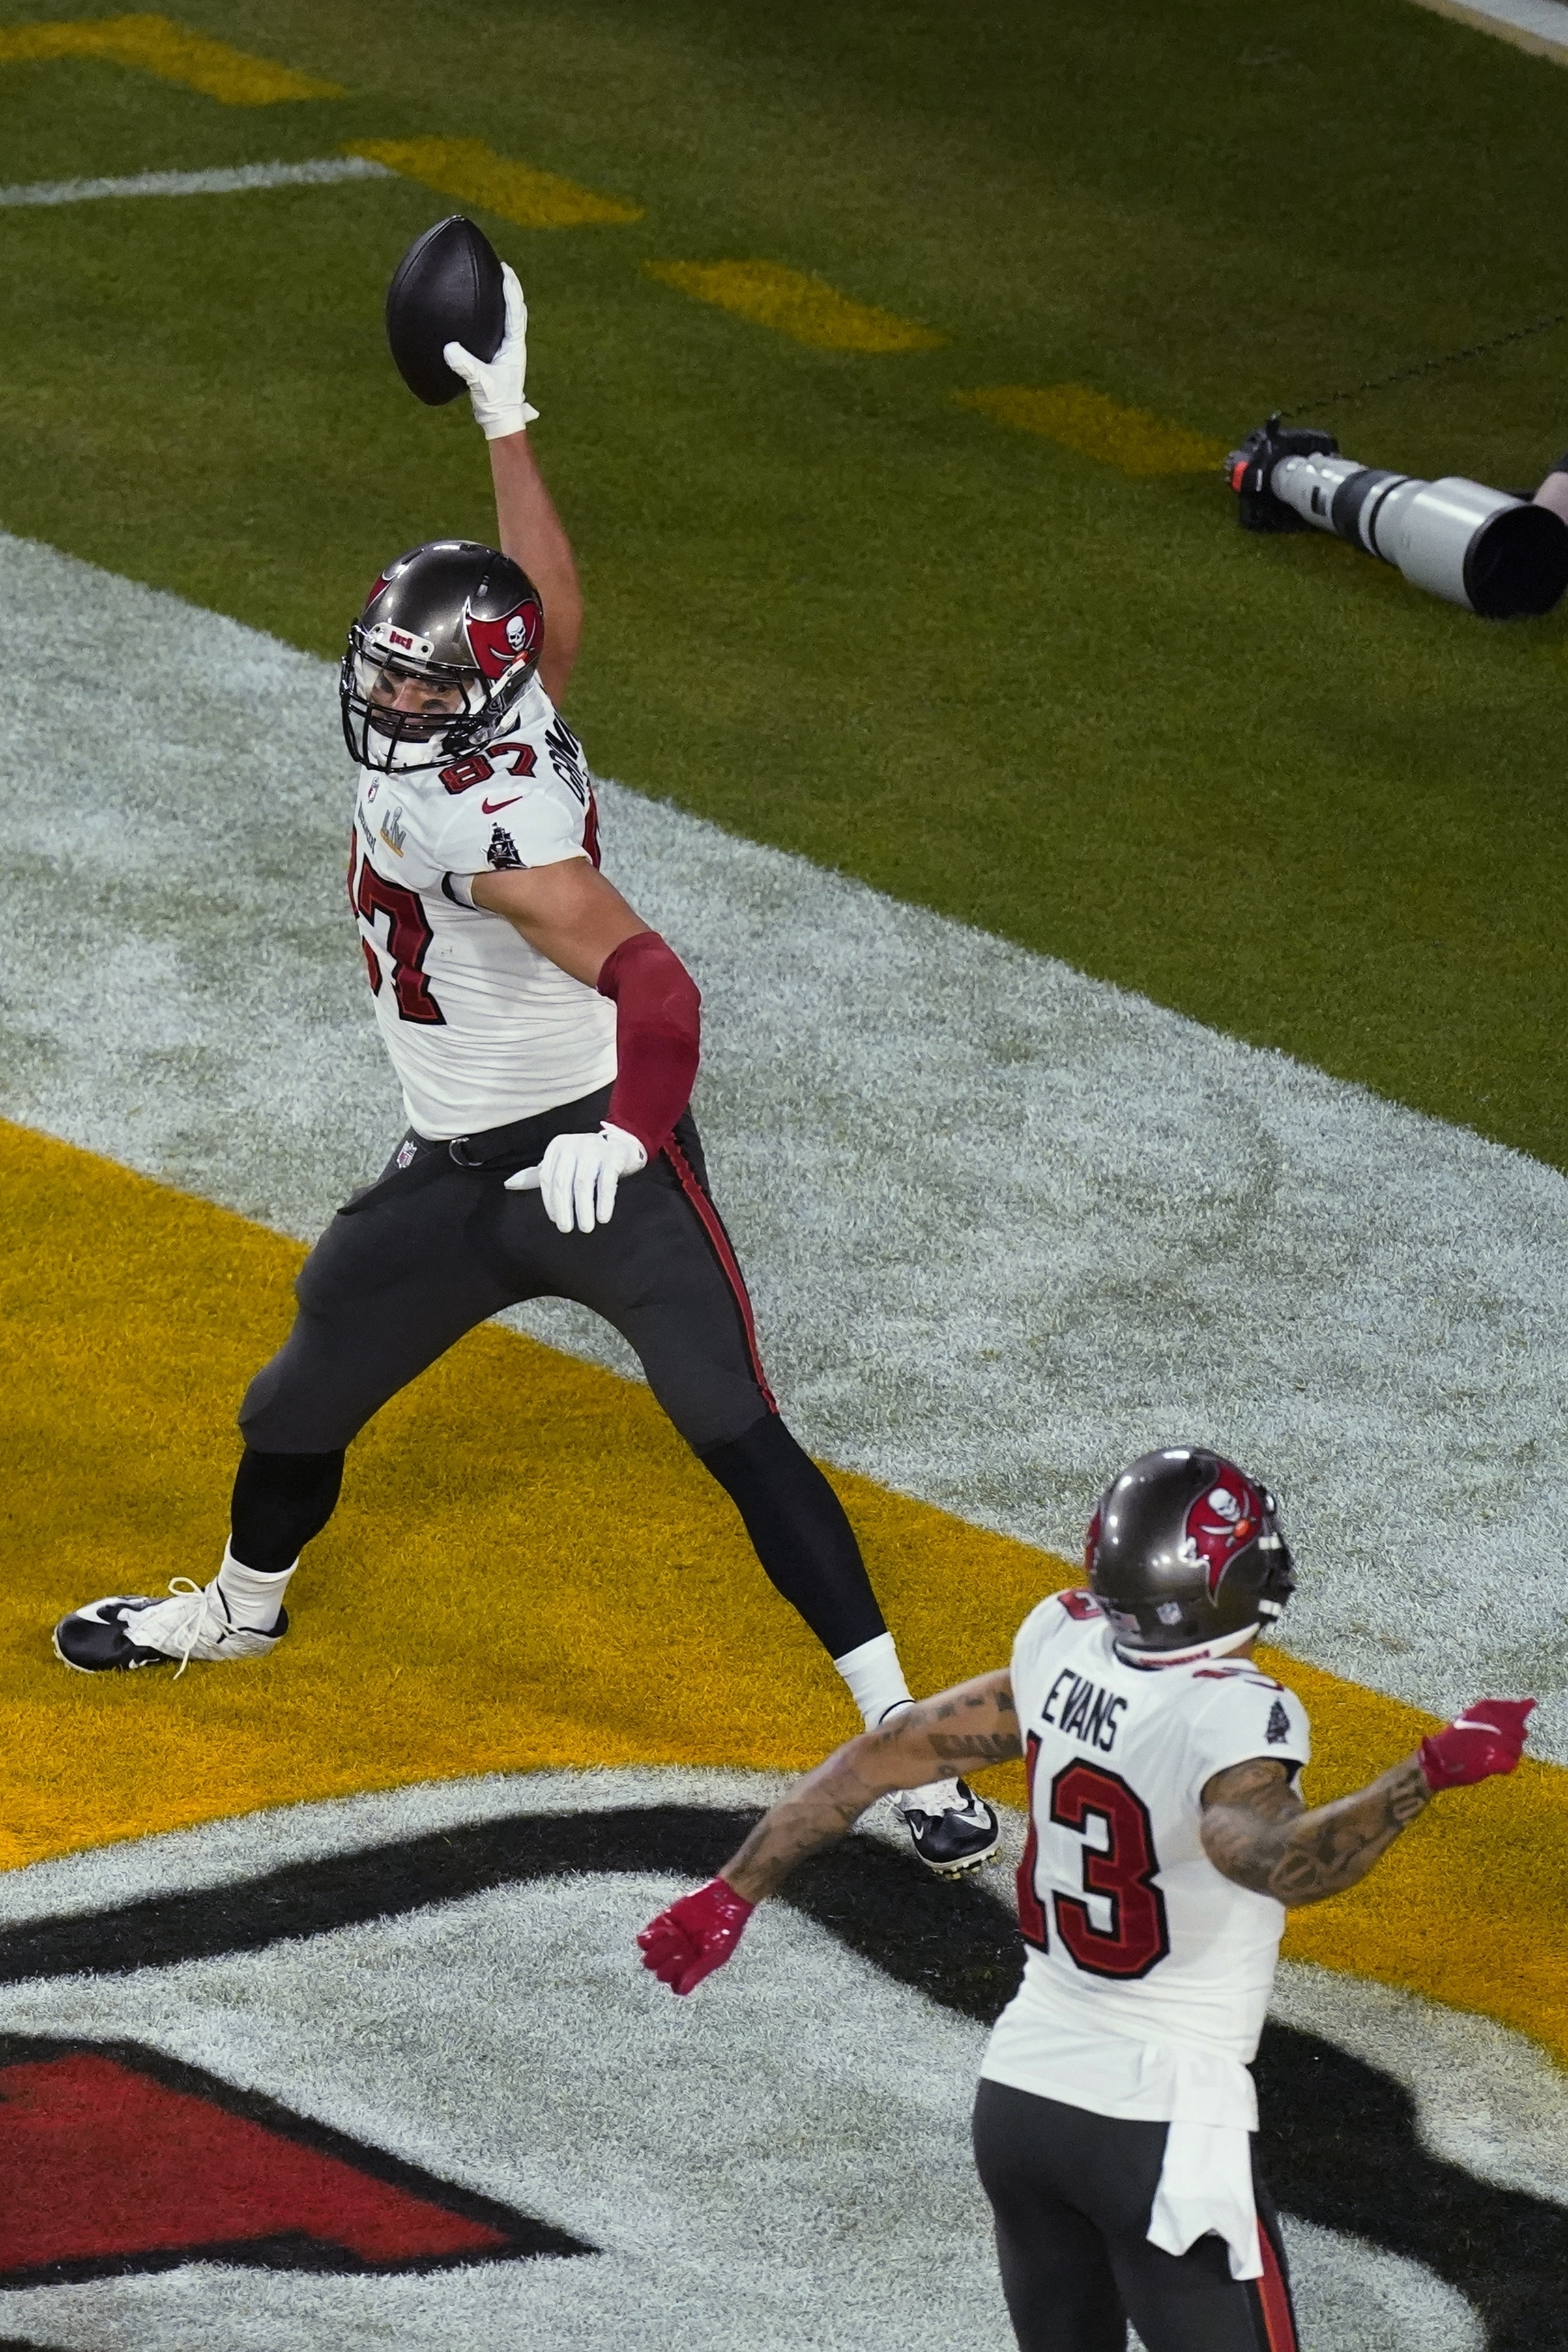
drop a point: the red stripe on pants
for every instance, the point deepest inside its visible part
(729, 1263)
(1273, 2298)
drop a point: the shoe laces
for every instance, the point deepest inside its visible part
(934, 1799)
(182, 1586)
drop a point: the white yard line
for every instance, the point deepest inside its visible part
(1005, 1225)
(239, 180)
(1539, 26)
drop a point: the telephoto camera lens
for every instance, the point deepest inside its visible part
(1492, 552)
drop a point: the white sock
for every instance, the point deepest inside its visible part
(875, 1677)
(254, 1599)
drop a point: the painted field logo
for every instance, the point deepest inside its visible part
(114, 2159)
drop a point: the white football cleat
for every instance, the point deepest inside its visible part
(950, 1828)
(129, 1630)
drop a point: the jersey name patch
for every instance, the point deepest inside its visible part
(1083, 1710)
(566, 759)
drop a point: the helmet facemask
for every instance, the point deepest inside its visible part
(403, 709)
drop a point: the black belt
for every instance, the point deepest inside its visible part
(500, 1150)
(521, 1144)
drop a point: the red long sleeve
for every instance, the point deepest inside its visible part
(658, 1034)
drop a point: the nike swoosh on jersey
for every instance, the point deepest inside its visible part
(490, 807)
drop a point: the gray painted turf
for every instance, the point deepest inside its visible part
(778, 2163)
(1005, 1225)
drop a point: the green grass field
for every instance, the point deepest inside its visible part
(1265, 782)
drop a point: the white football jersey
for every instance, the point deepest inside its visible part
(1148, 1972)
(481, 1028)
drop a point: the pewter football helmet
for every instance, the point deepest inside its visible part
(1185, 1556)
(437, 661)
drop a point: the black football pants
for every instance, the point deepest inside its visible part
(1071, 2193)
(437, 1244)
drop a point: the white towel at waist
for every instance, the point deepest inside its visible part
(1061, 2049)
(1058, 2049)
(1205, 2184)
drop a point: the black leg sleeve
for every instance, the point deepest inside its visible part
(281, 1501)
(797, 1526)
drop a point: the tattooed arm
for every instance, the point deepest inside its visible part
(968, 1728)
(1257, 1830)
(975, 1724)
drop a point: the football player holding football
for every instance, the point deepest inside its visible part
(546, 1041)
(1166, 1842)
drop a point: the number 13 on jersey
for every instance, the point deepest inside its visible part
(1117, 1926)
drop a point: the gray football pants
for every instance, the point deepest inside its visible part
(432, 1248)
(437, 1244)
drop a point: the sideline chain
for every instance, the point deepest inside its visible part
(1427, 367)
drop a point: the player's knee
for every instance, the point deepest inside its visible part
(340, 1270)
(291, 1407)
(260, 1404)
(763, 1462)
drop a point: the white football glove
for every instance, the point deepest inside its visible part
(495, 386)
(578, 1175)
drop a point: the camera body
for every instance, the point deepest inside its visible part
(1494, 554)
(1250, 472)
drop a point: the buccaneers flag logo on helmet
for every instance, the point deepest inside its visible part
(1222, 1522)
(497, 644)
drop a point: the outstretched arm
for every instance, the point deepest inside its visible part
(533, 535)
(1257, 1830)
(531, 530)
(971, 1726)
(974, 1725)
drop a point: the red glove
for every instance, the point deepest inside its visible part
(695, 1935)
(1488, 1737)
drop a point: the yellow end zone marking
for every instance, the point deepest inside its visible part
(1094, 426)
(156, 45)
(794, 304)
(529, 1570)
(475, 174)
